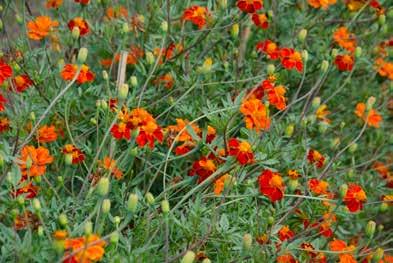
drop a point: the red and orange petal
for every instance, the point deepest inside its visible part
(2, 102)
(271, 185)
(241, 150)
(384, 68)
(286, 258)
(38, 158)
(249, 6)
(344, 62)
(121, 131)
(291, 59)
(260, 20)
(5, 71)
(85, 75)
(381, 169)
(81, 24)
(324, 4)
(116, 12)
(28, 191)
(203, 168)
(345, 39)
(166, 80)
(22, 82)
(373, 118)
(47, 134)
(285, 233)
(318, 187)
(269, 48)
(255, 114)
(315, 157)
(82, 2)
(77, 155)
(149, 137)
(197, 15)
(276, 97)
(354, 198)
(53, 3)
(4, 124)
(40, 27)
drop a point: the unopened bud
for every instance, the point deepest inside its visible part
(1, 160)
(114, 237)
(324, 66)
(289, 130)
(305, 55)
(40, 231)
(68, 158)
(149, 58)
(223, 3)
(63, 221)
(82, 55)
(235, 30)
(123, 92)
(149, 198)
(358, 52)
(378, 255)
(134, 81)
(370, 228)
(93, 121)
(19, 19)
(316, 102)
(270, 220)
(390, 13)
(270, 13)
(382, 20)
(189, 257)
(75, 32)
(206, 260)
(165, 206)
(20, 200)
(343, 190)
(164, 26)
(134, 151)
(106, 206)
(302, 35)
(335, 143)
(60, 63)
(132, 203)
(247, 241)
(105, 75)
(124, 28)
(270, 69)
(116, 220)
(353, 148)
(36, 205)
(292, 185)
(88, 228)
(383, 207)
(103, 186)
(334, 53)
(370, 103)
(29, 162)
(206, 66)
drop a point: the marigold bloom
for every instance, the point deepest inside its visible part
(345, 39)
(324, 4)
(241, 150)
(33, 161)
(40, 27)
(134, 54)
(116, 12)
(249, 6)
(384, 68)
(82, 2)
(315, 157)
(322, 112)
(179, 130)
(381, 169)
(285, 233)
(318, 187)
(121, 131)
(110, 165)
(4, 124)
(28, 191)
(373, 118)
(388, 199)
(344, 62)
(81, 24)
(166, 80)
(5, 71)
(47, 134)
(85, 75)
(271, 185)
(291, 59)
(203, 167)
(255, 115)
(354, 198)
(53, 3)
(84, 249)
(77, 155)
(286, 258)
(2, 102)
(22, 82)
(293, 174)
(270, 48)
(276, 97)
(260, 20)
(219, 184)
(338, 245)
(60, 234)
(26, 220)
(197, 15)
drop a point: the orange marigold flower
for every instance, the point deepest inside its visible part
(354, 198)
(203, 167)
(344, 62)
(286, 258)
(260, 20)
(5, 71)
(271, 185)
(241, 150)
(291, 59)
(110, 165)
(84, 249)
(116, 12)
(40, 27)
(121, 131)
(285, 233)
(293, 174)
(197, 15)
(385, 69)
(338, 245)
(81, 24)
(77, 155)
(28, 191)
(47, 134)
(219, 184)
(26, 220)
(33, 161)
(22, 82)
(60, 234)
(184, 136)
(381, 169)
(85, 75)
(322, 112)
(318, 187)
(324, 4)
(316, 157)
(388, 199)
(256, 115)
(345, 39)
(82, 2)
(270, 48)
(4, 124)
(53, 3)
(249, 6)
(166, 80)
(276, 97)
(373, 118)
(211, 134)
(2, 102)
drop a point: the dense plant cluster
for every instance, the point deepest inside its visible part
(196, 131)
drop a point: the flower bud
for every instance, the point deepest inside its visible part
(390, 13)
(82, 55)
(19, 19)
(40, 231)
(334, 53)
(124, 28)
(116, 220)
(88, 228)
(164, 26)
(60, 179)
(63, 221)
(122, 92)
(304, 122)
(384, 28)
(134, 81)
(270, 69)
(20, 200)
(132, 203)
(150, 198)
(335, 143)
(206, 260)
(36, 205)
(289, 130)
(134, 151)
(93, 121)
(383, 207)
(305, 55)
(37, 179)
(189, 257)
(343, 190)
(206, 66)
(223, 3)
(106, 206)
(316, 102)
(370, 228)
(103, 186)
(235, 30)
(60, 63)
(75, 32)
(292, 185)
(247, 241)
(270, 13)
(378, 254)
(68, 158)
(165, 206)
(382, 20)
(353, 148)
(302, 35)
(370, 102)
(358, 52)
(114, 237)
(324, 66)
(105, 75)
(1, 160)
(29, 162)
(149, 58)
(270, 220)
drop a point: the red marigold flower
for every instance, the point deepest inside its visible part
(4, 124)
(354, 198)
(211, 134)
(255, 114)
(293, 174)
(318, 187)
(166, 80)
(340, 246)
(77, 155)
(82, 2)
(285, 233)
(33, 161)
(81, 24)
(40, 27)
(241, 150)
(47, 134)
(276, 97)
(5, 71)
(179, 130)
(219, 184)
(291, 59)
(22, 82)
(85, 75)
(270, 48)
(28, 191)
(260, 20)
(116, 12)
(324, 4)
(286, 258)
(84, 249)
(384, 68)
(110, 165)
(271, 185)
(120, 131)
(373, 118)
(322, 112)
(203, 167)
(53, 3)
(316, 157)
(25, 220)
(344, 62)
(345, 39)
(2, 102)
(197, 15)
(381, 169)
(249, 6)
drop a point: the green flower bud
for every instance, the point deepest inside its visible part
(322, 127)
(305, 55)
(334, 53)
(20, 200)
(114, 237)
(384, 29)
(378, 255)
(206, 260)
(370, 228)
(82, 55)
(370, 103)
(223, 3)
(149, 58)
(68, 158)
(289, 130)
(75, 32)
(40, 231)
(343, 190)
(189, 257)
(383, 207)
(37, 179)
(1, 160)
(324, 66)
(93, 121)
(36, 205)
(165, 206)
(19, 19)
(29, 162)
(292, 185)
(60, 179)
(124, 28)
(116, 220)
(235, 30)
(247, 241)
(270, 13)
(353, 148)
(134, 151)
(302, 35)
(381, 20)
(123, 92)
(60, 63)
(316, 102)
(164, 26)
(150, 198)
(270, 69)
(63, 221)
(270, 220)
(335, 143)
(106, 206)
(390, 13)
(134, 81)
(88, 228)
(105, 75)
(132, 203)
(358, 52)
(103, 186)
